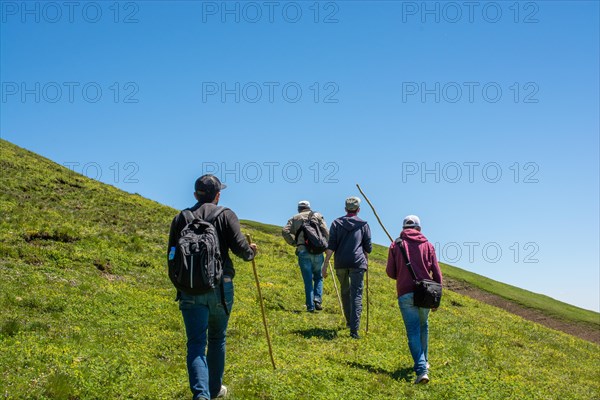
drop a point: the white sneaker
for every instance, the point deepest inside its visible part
(427, 366)
(423, 378)
(222, 393)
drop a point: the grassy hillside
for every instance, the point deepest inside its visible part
(545, 304)
(87, 312)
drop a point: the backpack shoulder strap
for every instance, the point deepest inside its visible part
(210, 218)
(188, 216)
(400, 244)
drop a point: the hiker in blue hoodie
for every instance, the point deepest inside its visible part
(350, 240)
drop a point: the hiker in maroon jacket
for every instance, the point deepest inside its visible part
(421, 255)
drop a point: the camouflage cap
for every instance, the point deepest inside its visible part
(208, 185)
(303, 204)
(352, 203)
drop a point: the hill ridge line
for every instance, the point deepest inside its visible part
(581, 329)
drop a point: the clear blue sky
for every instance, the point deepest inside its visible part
(423, 104)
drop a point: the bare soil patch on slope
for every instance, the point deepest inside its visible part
(582, 330)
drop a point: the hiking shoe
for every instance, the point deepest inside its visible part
(318, 306)
(222, 393)
(423, 378)
(312, 310)
(354, 335)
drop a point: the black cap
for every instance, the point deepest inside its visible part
(208, 185)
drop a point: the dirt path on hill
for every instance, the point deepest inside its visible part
(581, 330)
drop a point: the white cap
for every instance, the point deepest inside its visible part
(411, 221)
(304, 204)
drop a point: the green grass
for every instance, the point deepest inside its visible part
(87, 312)
(540, 302)
(526, 298)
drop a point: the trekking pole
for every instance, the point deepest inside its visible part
(388, 235)
(367, 276)
(336, 288)
(262, 307)
(374, 212)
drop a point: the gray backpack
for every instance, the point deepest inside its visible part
(197, 266)
(314, 238)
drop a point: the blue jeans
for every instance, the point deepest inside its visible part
(351, 286)
(204, 313)
(417, 331)
(310, 267)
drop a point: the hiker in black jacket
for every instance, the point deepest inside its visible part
(206, 315)
(350, 240)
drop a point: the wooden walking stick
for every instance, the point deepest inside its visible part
(388, 235)
(262, 307)
(374, 212)
(336, 288)
(367, 276)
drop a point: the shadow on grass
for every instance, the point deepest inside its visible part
(402, 374)
(279, 307)
(325, 334)
(278, 303)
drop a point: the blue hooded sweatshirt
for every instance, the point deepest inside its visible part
(350, 239)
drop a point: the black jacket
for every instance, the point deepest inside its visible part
(350, 239)
(228, 230)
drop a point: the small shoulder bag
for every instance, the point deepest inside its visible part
(428, 293)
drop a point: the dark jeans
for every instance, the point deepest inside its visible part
(351, 282)
(205, 321)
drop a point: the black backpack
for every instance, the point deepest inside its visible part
(314, 239)
(197, 265)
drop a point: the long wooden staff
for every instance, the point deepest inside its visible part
(336, 288)
(374, 212)
(367, 325)
(262, 306)
(388, 235)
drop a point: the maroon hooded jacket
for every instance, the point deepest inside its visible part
(422, 257)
